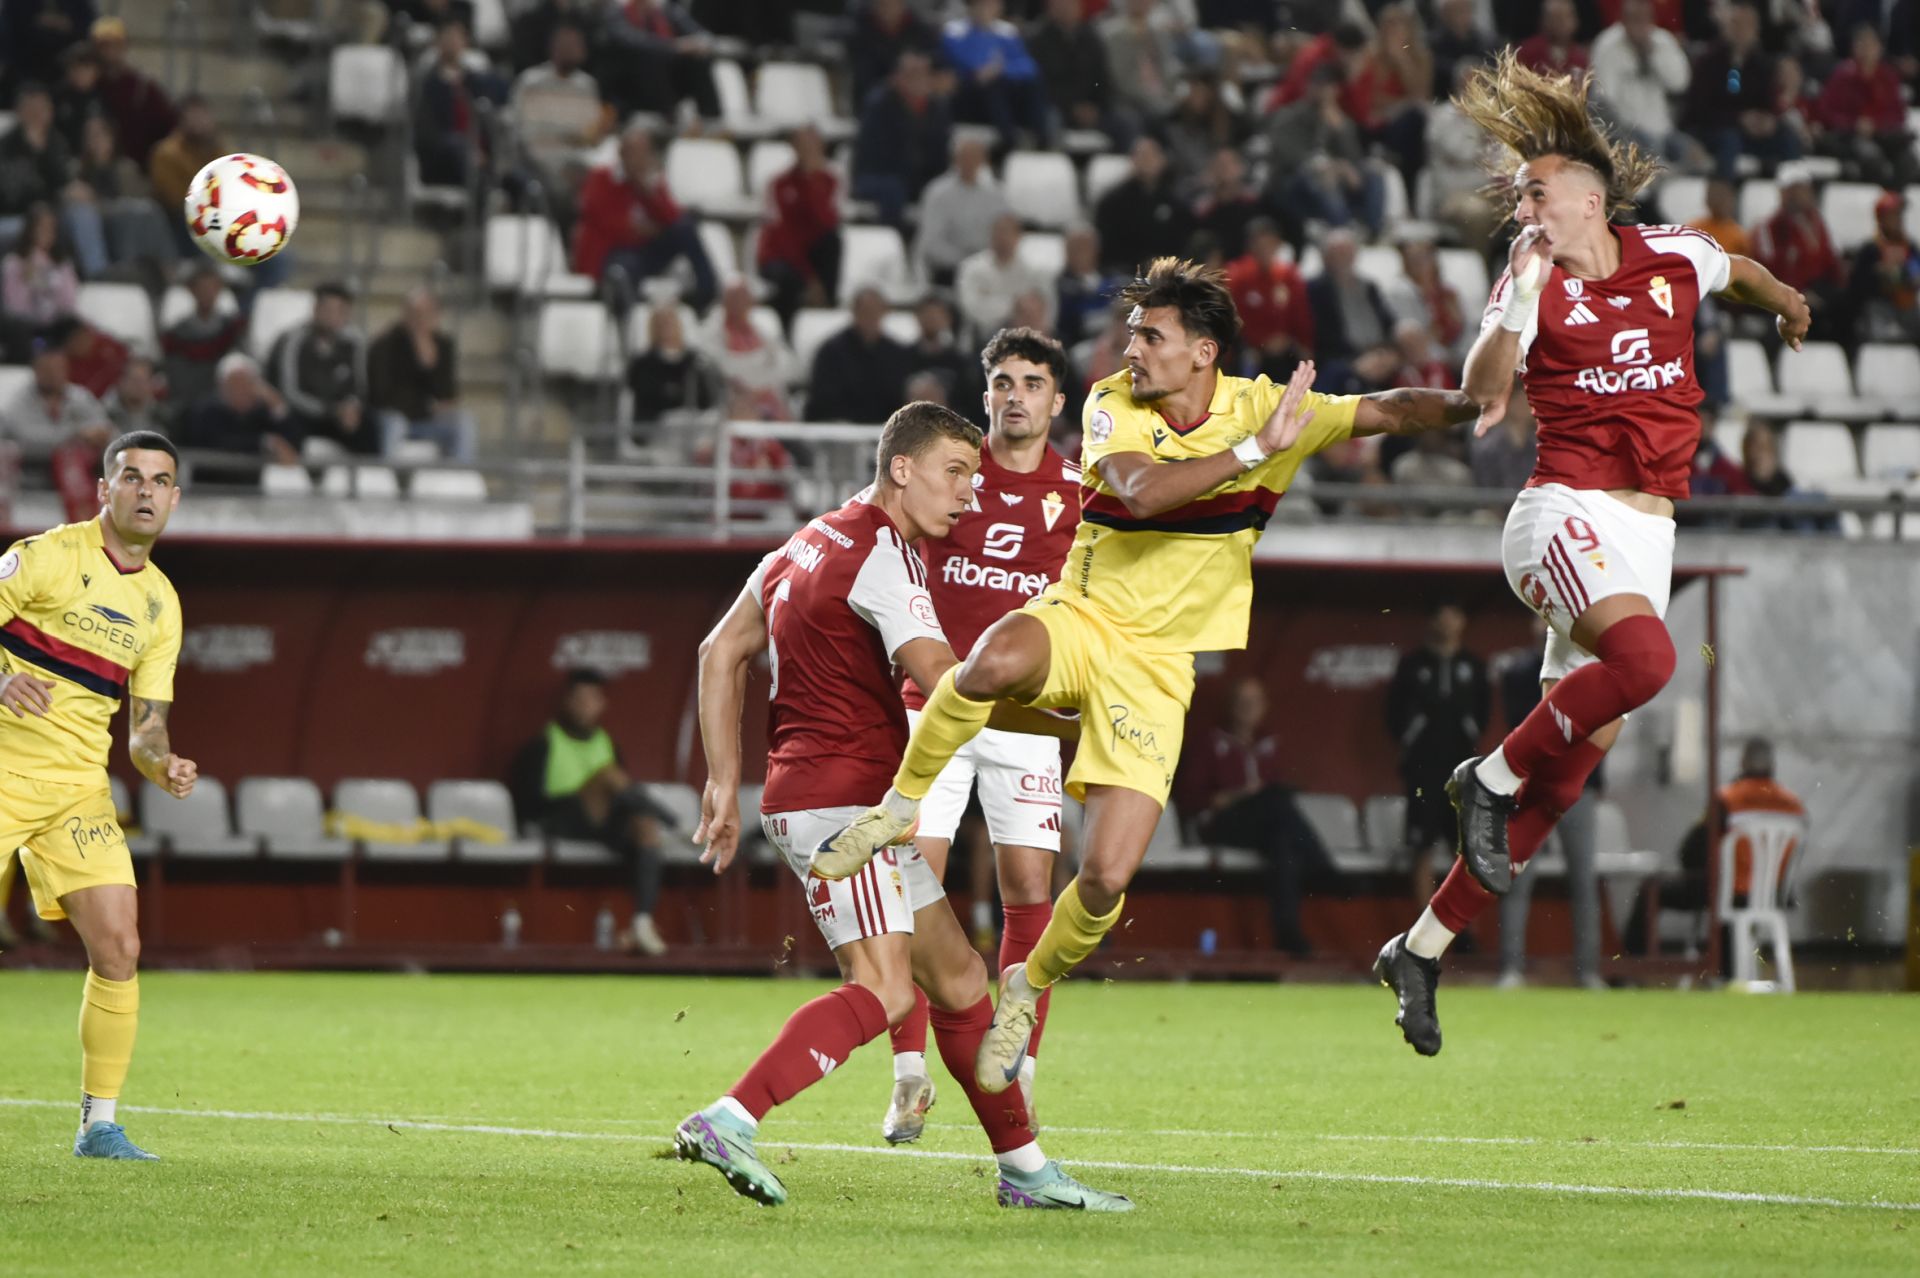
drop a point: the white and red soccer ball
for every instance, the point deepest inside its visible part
(242, 209)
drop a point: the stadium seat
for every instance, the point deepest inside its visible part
(576, 341)
(1818, 377)
(288, 815)
(706, 174)
(1682, 199)
(1750, 378)
(1045, 253)
(767, 160)
(1379, 263)
(376, 483)
(1104, 172)
(787, 94)
(367, 83)
(1815, 452)
(490, 27)
(523, 251)
(682, 804)
(812, 326)
(446, 484)
(901, 326)
(120, 310)
(13, 379)
(286, 481)
(1384, 820)
(1889, 374)
(176, 304)
(1466, 270)
(1891, 452)
(196, 826)
(582, 852)
(1729, 435)
(736, 106)
(875, 255)
(387, 802)
(1168, 853)
(482, 803)
(1847, 208)
(1337, 822)
(1759, 200)
(1042, 188)
(275, 310)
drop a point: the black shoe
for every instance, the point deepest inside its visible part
(1412, 980)
(1482, 817)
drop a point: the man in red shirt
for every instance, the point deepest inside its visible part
(800, 242)
(839, 611)
(1795, 246)
(1271, 296)
(628, 218)
(1555, 49)
(1862, 117)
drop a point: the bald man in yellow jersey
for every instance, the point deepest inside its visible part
(86, 620)
(1161, 569)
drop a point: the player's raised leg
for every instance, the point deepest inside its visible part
(107, 919)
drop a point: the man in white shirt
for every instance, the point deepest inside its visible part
(991, 280)
(556, 107)
(1639, 68)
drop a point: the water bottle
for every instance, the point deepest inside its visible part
(603, 930)
(510, 928)
(1209, 941)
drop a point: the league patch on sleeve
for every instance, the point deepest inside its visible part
(1100, 429)
(9, 564)
(921, 606)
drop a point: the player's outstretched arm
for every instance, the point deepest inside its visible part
(152, 749)
(1750, 283)
(725, 655)
(1410, 410)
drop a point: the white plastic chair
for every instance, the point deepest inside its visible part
(1104, 172)
(706, 174)
(367, 82)
(812, 326)
(1466, 270)
(792, 93)
(275, 310)
(387, 801)
(1682, 199)
(1888, 374)
(875, 255)
(120, 310)
(1891, 452)
(288, 814)
(1045, 253)
(1816, 452)
(1759, 200)
(523, 252)
(1042, 188)
(197, 825)
(447, 484)
(1337, 821)
(574, 341)
(485, 803)
(1769, 837)
(1847, 208)
(286, 481)
(730, 87)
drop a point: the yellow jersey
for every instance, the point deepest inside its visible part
(1182, 581)
(73, 616)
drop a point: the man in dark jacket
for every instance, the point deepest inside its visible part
(658, 56)
(1437, 708)
(448, 137)
(413, 381)
(320, 367)
(858, 373)
(1073, 68)
(1144, 216)
(902, 142)
(882, 31)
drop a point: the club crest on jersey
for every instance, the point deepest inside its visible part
(1534, 591)
(1051, 508)
(1662, 294)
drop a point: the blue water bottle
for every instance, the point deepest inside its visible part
(1209, 941)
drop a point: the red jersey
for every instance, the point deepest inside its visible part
(841, 598)
(1004, 551)
(1608, 364)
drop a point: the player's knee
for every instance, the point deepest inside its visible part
(1101, 887)
(115, 956)
(983, 676)
(898, 1000)
(1640, 654)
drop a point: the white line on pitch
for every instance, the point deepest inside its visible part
(1349, 1178)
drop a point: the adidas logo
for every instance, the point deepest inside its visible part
(1581, 315)
(1052, 823)
(1566, 730)
(826, 1063)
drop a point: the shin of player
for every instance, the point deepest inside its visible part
(85, 620)
(1598, 320)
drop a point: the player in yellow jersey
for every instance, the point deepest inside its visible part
(1160, 569)
(86, 620)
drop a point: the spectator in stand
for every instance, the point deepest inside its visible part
(1760, 468)
(902, 142)
(1730, 108)
(958, 211)
(245, 415)
(1084, 292)
(670, 378)
(1232, 795)
(659, 57)
(1638, 70)
(196, 343)
(1722, 218)
(937, 351)
(858, 372)
(1437, 708)
(1349, 315)
(76, 99)
(95, 359)
(1883, 291)
(757, 364)
(1791, 105)
(136, 230)
(1033, 309)
(1271, 296)
(1861, 114)
(179, 156)
(799, 252)
(1422, 294)
(1422, 363)
(1795, 246)
(38, 284)
(1457, 37)
(134, 402)
(1141, 60)
(988, 282)
(1073, 71)
(1230, 203)
(1142, 217)
(450, 136)
(556, 110)
(628, 218)
(530, 38)
(321, 369)
(1503, 458)
(1392, 86)
(52, 413)
(1555, 49)
(1317, 159)
(35, 34)
(1344, 48)
(882, 31)
(413, 382)
(1457, 151)
(999, 84)
(1433, 458)
(1200, 128)
(37, 168)
(142, 113)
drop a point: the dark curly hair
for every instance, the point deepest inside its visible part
(1031, 345)
(1197, 292)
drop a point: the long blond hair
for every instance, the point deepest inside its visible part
(1532, 115)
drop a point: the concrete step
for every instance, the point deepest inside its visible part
(484, 337)
(313, 161)
(405, 250)
(221, 69)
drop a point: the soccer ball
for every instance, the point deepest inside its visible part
(242, 209)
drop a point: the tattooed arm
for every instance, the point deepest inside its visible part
(152, 750)
(1410, 410)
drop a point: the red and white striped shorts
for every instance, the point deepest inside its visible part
(877, 901)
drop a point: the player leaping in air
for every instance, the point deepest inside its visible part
(1184, 465)
(836, 610)
(86, 619)
(1597, 317)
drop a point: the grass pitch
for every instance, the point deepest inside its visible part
(456, 1125)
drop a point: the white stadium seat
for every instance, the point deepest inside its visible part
(1759, 200)
(875, 255)
(120, 310)
(1891, 452)
(1045, 253)
(488, 804)
(523, 252)
(902, 326)
(177, 303)
(197, 825)
(1466, 270)
(1750, 377)
(769, 158)
(812, 326)
(576, 341)
(1042, 188)
(1104, 172)
(367, 83)
(1379, 263)
(448, 484)
(1337, 822)
(275, 310)
(793, 93)
(286, 481)
(1847, 208)
(706, 174)
(376, 483)
(1682, 199)
(1889, 374)
(13, 379)
(730, 86)
(387, 802)
(289, 815)
(722, 250)
(1816, 452)
(1385, 818)
(1819, 377)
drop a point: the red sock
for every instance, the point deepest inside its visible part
(910, 1035)
(1024, 924)
(1003, 1116)
(814, 1040)
(1543, 800)
(1636, 660)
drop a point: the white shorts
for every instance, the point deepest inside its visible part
(1018, 775)
(1566, 549)
(879, 900)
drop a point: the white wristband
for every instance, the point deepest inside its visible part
(1249, 453)
(1519, 312)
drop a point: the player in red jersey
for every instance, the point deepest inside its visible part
(836, 609)
(1001, 554)
(1597, 318)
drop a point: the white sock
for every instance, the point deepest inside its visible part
(982, 916)
(738, 1112)
(899, 805)
(1494, 773)
(1027, 1159)
(909, 1065)
(1027, 1065)
(1429, 938)
(95, 1109)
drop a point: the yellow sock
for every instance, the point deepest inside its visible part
(109, 1018)
(1072, 934)
(949, 722)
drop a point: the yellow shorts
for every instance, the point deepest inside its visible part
(69, 838)
(1132, 703)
